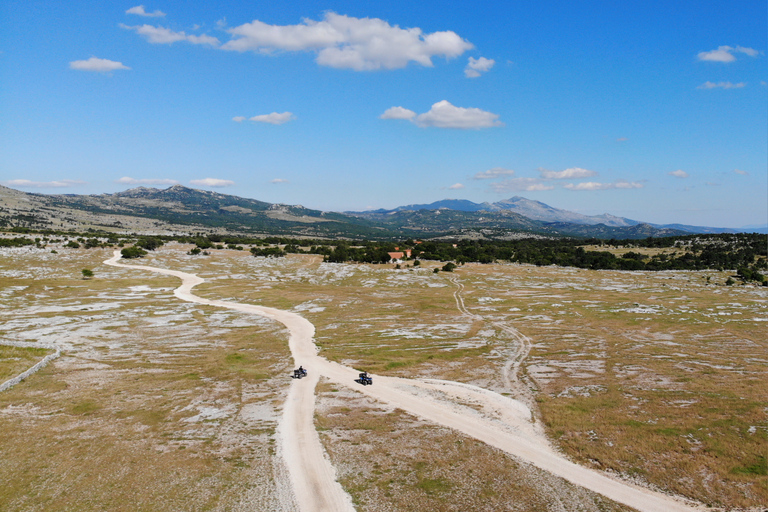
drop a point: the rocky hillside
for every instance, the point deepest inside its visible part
(181, 210)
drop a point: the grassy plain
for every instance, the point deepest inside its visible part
(657, 376)
(153, 405)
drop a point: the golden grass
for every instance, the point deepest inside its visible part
(154, 404)
(657, 376)
(16, 360)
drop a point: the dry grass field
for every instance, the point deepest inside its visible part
(157, 404)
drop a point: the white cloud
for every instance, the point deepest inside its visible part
(592, 185)
(721, 85)
(277, 181)
(444, 115)
(97, 65)
(628, 184)
(456, 186)
(44, 184)
(212, 182)
(274, 118)
(726, 53)
(477, 66)
(679, 173)
(567, 174)
(521, 184)
(342, 41)
(139, 10)
(492, 174)
(398, 113)
(126, 180)
(239, 119)
(162, 35)
(739, 171)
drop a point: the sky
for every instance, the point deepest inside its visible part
(652, 110)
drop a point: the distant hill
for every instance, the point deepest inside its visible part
(536, 210)
(182, 210)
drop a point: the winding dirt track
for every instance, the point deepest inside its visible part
(502, 422)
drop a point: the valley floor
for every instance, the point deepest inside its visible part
(651, 377)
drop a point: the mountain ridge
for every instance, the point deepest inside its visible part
(179, 210)
(536, 210)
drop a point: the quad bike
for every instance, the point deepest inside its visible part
(365, 379)
(301, 372)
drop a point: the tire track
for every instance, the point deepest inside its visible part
(511, 369)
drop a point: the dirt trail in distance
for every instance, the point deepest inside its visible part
(501, 422)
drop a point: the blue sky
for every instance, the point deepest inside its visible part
(656, 111)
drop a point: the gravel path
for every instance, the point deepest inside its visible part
(500, 421)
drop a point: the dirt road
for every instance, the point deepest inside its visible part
(496, 420)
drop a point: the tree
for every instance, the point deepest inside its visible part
(133, 252)
(87, 273)
(149, 243)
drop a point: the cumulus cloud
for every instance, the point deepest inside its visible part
(456, 186)
(277, 181)
(126, 180)
(139, 10)
(97, 65)
(162, 35)
(444, 115)
(239, 119)
(521, 184)
(721, 85)
(592, 185)
(274, 118)
(679, 173)
(567, 174)
(726, 53)
(44, 184)
(398, 113)
(477, 66)
(739, 171)
(212, 182)
(492, 174)
(341, 41)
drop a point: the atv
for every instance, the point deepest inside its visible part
(365, 379)
(301, 372)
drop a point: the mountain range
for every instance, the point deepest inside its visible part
(182, 210)
(536, 210)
